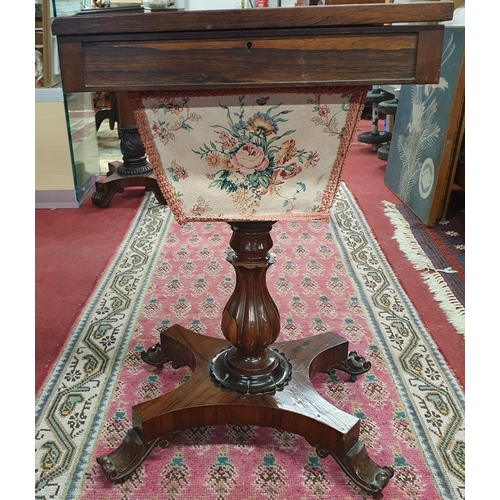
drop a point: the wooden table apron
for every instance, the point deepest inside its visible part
(301, 47)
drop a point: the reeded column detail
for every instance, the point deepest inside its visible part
(251, 321)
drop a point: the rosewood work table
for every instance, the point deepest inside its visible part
(302, 55)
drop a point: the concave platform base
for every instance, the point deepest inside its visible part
(116, 181)
(296, 408)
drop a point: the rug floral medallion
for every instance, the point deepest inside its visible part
(327, 276)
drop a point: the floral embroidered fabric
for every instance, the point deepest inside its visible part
(251, 156)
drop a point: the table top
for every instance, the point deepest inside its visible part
(105, 21)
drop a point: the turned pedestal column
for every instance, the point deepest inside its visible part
(251, 321)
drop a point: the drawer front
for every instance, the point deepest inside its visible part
(253, 62)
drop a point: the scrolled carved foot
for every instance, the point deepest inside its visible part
(358, 466)
(354, 365)
(154, 356)
(102, 199)
(121, 462)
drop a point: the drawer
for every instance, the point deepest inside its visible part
(250, 62)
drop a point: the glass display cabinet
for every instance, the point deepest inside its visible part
(66, 148)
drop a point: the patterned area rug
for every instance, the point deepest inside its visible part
(328, 276)
(439, 252)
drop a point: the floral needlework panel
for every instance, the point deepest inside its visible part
(248, 157)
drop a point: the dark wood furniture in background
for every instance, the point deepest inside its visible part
(247, 379)
(107, 112)
(134, 169)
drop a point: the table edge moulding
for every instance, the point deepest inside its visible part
(248, 378)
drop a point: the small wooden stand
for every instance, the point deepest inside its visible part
(249, 380)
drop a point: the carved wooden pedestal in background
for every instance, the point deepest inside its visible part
(249, 380)
(135, 169)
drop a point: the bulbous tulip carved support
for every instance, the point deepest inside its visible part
(251, 321)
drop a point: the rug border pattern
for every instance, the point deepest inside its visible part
(155, 221)
(434, 457)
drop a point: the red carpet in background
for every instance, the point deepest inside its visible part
(74, 246)
(72, 250)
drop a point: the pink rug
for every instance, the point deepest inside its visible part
(327, 276)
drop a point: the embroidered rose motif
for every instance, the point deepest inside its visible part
(249, 158)
(252, 157)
